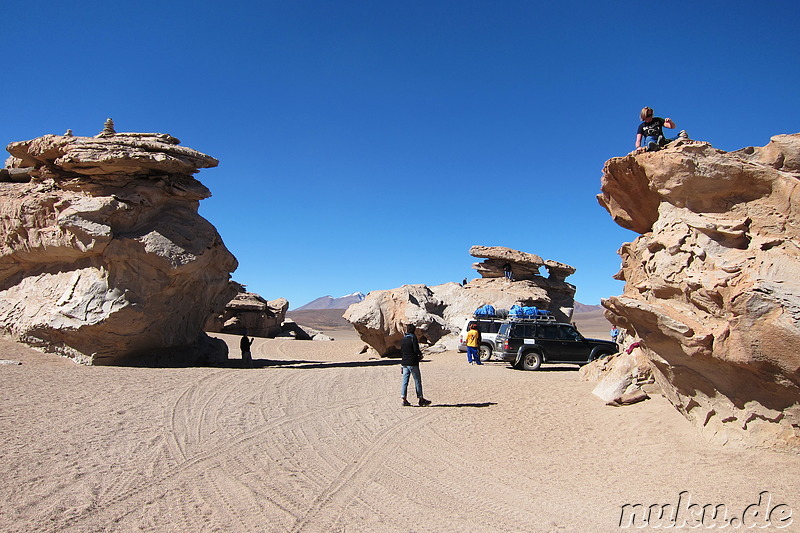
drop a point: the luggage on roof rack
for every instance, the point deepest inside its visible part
(484, 311)
(526, 311)
(488, 311)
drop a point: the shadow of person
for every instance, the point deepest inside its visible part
(482, 404)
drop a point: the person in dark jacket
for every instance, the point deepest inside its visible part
(507, 272)
(244, 346)
(411, 356)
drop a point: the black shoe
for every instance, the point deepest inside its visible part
(423, 402)
(406, 403)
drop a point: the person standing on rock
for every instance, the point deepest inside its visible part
(411, 356)
(244, 345)
(473, 345)
(650, 136)
(507, 272)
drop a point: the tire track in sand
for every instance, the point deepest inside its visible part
(325, 510)
(193, 466)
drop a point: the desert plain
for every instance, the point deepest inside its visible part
(314, 439)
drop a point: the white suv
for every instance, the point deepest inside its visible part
(488, 328)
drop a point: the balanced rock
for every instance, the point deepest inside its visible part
(524, 266)
(713, 283)
(103, 255)
(439, 312)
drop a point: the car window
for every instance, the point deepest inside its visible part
(548, 332)
(504, 329)
(569, 333)
(489, 327)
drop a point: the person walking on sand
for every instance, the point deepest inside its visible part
(473, 345)
(244, 345)
(649, 135)
(411, 356)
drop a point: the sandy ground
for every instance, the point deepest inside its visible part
(315, 439)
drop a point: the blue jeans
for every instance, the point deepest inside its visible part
(647, 140)
(414, 371)
(473, 355)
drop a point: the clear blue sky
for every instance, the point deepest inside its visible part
(368, 144)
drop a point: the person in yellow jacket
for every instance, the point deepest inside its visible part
(473, 345)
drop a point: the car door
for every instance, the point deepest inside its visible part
(573, 346)
(548, 338)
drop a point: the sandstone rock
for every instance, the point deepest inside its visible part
(619, 377)
(524, 266)
(439, 312)
(380, 319)
(103, 256)
(249, 312)
(116, 159)
(713, 282)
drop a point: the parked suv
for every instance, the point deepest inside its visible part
(527, 343)
(488, 328)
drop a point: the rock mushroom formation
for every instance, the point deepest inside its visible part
(713, 282)
(103, 256)
(249, 312)
(439, 312)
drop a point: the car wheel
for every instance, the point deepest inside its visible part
(485, 352)
(595, 357)
(531, 360)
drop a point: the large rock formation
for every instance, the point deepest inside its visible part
(103, 256)
(439, 312)
(713, 282)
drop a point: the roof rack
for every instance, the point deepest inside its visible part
(517, 318)
(533, 318)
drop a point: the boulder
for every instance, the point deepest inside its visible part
(439, 312)
(620, 376)
(103, 255)
(712, 284)
(381, 318)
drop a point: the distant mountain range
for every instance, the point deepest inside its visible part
(329, 302)
(583, 308)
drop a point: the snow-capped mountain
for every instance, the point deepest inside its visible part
(329, 302)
